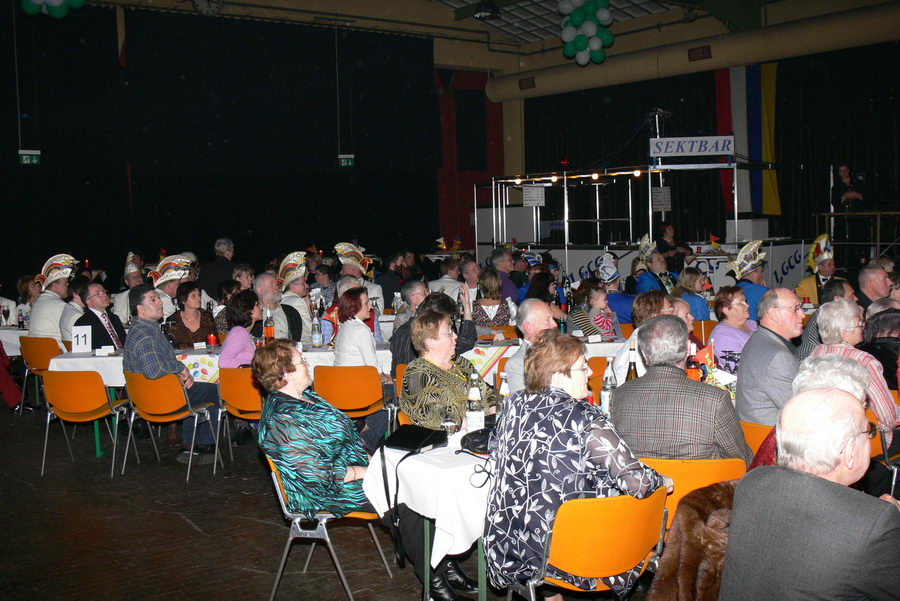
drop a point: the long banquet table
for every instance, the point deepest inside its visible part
(9, 337)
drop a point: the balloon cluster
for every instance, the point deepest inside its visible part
(55, 8)
(584, 30)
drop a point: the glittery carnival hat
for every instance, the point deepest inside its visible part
(352, 255)
(57, 267)
(532, 258)
(293, 267)
(175, 267)
(748, 259)
(607, 273)
(819, 251)
(131, 264)
(646, 247)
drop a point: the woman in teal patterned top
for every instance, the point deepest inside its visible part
(315, 446)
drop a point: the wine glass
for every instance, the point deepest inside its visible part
(448, 424)
(5, 315)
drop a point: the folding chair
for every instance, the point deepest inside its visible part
(163, 401)
(241, 398)
(599, 538)
(319, 532)
(36, 352)
(755, 434)
(627, 329)
(80, 397)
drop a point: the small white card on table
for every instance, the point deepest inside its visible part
(81, 339)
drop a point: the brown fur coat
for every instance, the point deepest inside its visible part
(692, 562)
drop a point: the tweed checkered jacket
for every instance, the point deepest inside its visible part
(665, 415)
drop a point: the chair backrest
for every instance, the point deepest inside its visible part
(598, 365)
(635, 525)
(595, 382)
(239, 389)
(501, 367)
(398, 377)
(627, 329)
(755, 434)
(877, 446)
(68, 345)
(155, 397)
(896, 394)
(349, 388)
(697, 329)
(75, 391)
(37, 351)
(403, 418)
(279, 487)
(691, 474)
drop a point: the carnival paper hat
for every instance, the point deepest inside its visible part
(820, 251)
(532, 258)
(57, 267)
(607, 273)
(130, 264)
(646, 247)
(175, 267)
(748, 259)
(293, 267)
(352, 255)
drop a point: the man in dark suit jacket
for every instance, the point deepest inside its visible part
(797, 530)
(219, 269)
(97, 302)
(663, 414)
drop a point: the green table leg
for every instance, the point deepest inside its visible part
(426, 569)
(482, 576)
(97, 449)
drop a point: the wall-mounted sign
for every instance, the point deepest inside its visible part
(533, 196)
(661, 198)
(695, 146)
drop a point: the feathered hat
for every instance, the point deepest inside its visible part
(175, 267)
(57, 267)
(748, 259)
(293, 267)
(352, 255)
(131, 264)
(819, 251)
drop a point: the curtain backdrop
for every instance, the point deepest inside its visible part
(230, 128)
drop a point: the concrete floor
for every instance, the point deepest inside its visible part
(76, 534)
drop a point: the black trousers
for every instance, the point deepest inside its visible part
(412, 535)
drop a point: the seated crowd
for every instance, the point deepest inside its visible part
(812, 519)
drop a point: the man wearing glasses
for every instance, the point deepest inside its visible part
(106, 327)
(768, 361)
(502, 261)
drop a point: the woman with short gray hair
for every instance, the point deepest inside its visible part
(841, 329)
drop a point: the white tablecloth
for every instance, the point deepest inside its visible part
(325, 356)
(111, 371)
(386, 323)
(438, 484)
(487, 358)
(9, 336)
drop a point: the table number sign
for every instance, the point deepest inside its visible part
(81, 339)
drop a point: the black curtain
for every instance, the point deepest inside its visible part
(610, 127)
(231, 128)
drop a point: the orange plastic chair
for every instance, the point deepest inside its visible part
(703, 329)
(509, 332)
(691, 474)
(598, 364)
(755, 434)
(635, 524)
(80, 397)
(398, 377)
(896, 394)
(355, 390)
(241, 398)
(403, 418)
(68, 345)
(319, 532)
(627, 329)
(595, 382)
(501, 368)
(878, 444)
(36, 352)
(163, 401)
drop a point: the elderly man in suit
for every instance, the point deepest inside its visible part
(768, 361)
(534, 316)
(664, 414)
(797, 530)
(106, 327)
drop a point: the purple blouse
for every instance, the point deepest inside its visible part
(238, 348)
(730, 338)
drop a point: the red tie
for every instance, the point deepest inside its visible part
(112, 332)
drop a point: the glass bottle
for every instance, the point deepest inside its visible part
(692, 367)
(606, 393)
(632, 362)
(269, 327)
(316, 332)
(474, 406)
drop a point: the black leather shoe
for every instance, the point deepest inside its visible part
(442, 591)
(458, 579)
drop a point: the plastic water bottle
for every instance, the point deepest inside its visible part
(474, 406)
(606, 393)
(316, 333)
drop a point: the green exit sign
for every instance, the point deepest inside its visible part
(346, 160)
(29, 157)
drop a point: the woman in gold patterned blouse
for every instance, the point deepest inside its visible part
(436, 384)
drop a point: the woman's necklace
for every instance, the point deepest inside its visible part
(454, 370)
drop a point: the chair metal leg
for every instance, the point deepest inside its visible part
(155, 447)
(312, 547)
(62, 424)
(74, 427)
(191, 451)
(114, 433)
(128, 441)
(24, 391)
(46, 433)
(380, 552)
(284, 556)
(894, 468)
(337, 564)
(216, 457)
(108, 430)
(228, 433)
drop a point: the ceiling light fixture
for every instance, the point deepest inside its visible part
(487, 11)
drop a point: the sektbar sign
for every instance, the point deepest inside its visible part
(694, 146)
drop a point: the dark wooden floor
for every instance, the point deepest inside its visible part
(77, 534)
